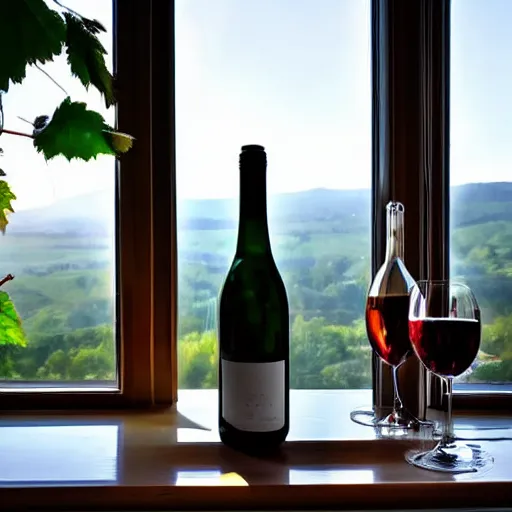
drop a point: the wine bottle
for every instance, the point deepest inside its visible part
(253, 326)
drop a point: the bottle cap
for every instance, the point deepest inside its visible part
(253, 147)
(253, 156)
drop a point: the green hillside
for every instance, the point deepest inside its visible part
(64, 286)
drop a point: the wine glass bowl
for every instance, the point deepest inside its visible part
(445, 328)
(387, 327)
(445, 331)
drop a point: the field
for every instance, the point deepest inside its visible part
(64, 285)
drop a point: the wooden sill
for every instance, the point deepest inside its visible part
(170, 460)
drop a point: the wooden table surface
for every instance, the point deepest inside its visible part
(172, 460)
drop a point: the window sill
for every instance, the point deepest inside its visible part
(158, 459)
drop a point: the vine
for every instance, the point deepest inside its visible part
(36, 34)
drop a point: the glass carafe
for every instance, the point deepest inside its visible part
(387, 310)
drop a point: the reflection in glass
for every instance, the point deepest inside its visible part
(85, 453)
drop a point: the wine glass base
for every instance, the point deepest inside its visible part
(453, 458)
(388, 419)
(365, 416)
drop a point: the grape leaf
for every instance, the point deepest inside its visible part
(86, 55)
(6, 196)
(73, 132)
(120, 142)
(31, 33)
(11, 331)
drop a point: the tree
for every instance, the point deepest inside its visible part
(84, 354)
(497, 346)
(197, 360)
(328, 356)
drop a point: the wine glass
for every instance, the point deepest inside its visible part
(445, 331)
(387, 311)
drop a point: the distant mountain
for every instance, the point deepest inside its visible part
(478, 203)
(93, 214)
(88, 214)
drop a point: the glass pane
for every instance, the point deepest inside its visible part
(294, 77)
(60, 243)
(481, 179)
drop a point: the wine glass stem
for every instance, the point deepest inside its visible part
(397, 402)
(448, 435)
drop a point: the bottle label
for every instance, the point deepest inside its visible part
(253, 395)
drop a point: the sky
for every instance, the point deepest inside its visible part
(292, 75)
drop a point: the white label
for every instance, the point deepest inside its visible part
(253, 395)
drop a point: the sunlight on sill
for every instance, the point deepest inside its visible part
(315, 415)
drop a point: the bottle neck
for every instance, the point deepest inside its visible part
(253, 237)
(395, 235)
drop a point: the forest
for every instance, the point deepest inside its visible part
(65, 286)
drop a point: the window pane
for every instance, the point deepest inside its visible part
(60, 243)
(294, 77)
(481, 179)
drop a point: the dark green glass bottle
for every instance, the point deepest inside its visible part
(253, 326)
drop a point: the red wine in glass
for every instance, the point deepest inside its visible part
(446, 346)
(387, 327)
(445, 331)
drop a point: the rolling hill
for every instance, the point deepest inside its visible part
(93, 214)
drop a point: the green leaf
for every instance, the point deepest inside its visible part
(73, 132)
(31, 33)
(11, 331)
(86, 55)
(120, 142)
(6, 196)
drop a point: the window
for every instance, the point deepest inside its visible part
(60, 243)
(480, 178)
(308, 99)
(294, 77)
(86, 316)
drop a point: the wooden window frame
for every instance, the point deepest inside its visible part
(146, 242)
(411, 163)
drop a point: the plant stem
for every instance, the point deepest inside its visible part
(8, 277)
(1, 114)
(26, 121)
(67, 9)
(52, 79)
(21, 134)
